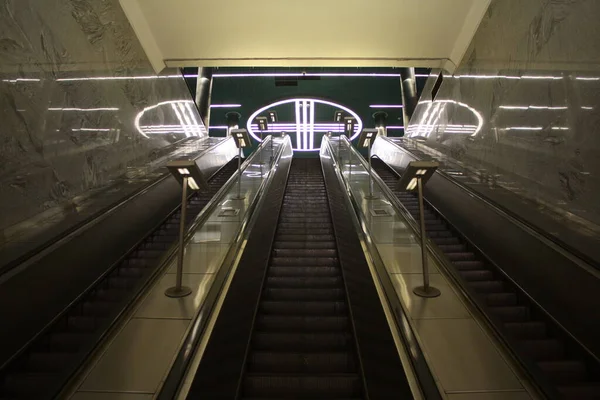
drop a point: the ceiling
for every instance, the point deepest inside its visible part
(358, 33)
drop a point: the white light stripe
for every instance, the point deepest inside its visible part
(186, 118)
(225, 105)
(587, 78)
(386, 106)
(195, 125)
(560, 128)
(136, 122)
(175, 107)
(298, 126)
(524, 128)
(218, 127)
(486, 77)
(83, 109)
(118, 78)
(394, 127)
(21, 80)
(541, 77)
(91, 129)
(311, 125)
(587, 107)
(534, 107)
(305, 125)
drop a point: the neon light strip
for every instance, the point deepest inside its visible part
(533, 107)
(218, 127)
(175, 108)
(225, 105)
(84, 109)
(305, 125)
(118, 78)
(386, 106)
(298, 125)
(141, 113)
(394, 127)
(91, 129)
(524, 128)
(588, 78)
(311, 125)
(21, 80)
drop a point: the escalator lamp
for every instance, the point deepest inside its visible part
(421, 172)
(412, 184)
(184, 171)
(192, 184)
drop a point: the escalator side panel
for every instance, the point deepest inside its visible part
(383, 372)
(559, 285)
(223, 361)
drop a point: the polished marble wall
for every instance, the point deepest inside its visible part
(523, 108)
(80, 106)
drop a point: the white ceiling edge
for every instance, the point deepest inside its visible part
(472, 22)
(142, 29)
(140, 26)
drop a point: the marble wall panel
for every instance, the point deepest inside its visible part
(524, 107)
(80, 105)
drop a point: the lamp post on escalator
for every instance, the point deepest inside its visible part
(189, 175)
(365, 140)
(242, 139)
(416, 174)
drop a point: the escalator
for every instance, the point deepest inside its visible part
(315, 328)
(546, 351)
(302, 345)
(41, 369)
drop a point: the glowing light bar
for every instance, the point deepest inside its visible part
(560, 128)
(533, 107)
(299, 74)
(91, 129)
(21, 80)
(118, 78)
(225, 105)
(524, 128)
(386, 106)
(588, 78)
(412, 184)
(218, 127)
(192, 184)
(83, 109)
(587, 107)
(184, 171)
(394, 127)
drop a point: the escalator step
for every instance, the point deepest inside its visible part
(526, 330)
(304, 282)
(511, 314)
(468, 265)
(299, 324)
(303, 294)
(487, 286)
(446, 241)
(477, 275)
(304, 252)
(304, 245)
(583, 391)
(564, 371)
(543, 350)
(304, 261)
(302, 341)
(336, 386)
(47, 362)
(501, 299)
(294, 237)
(301, 363)
(303, 308)
(65, 342)
(303, 271)
(28, 384)
(462, 256)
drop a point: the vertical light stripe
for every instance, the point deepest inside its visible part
(298, 134)
(304, 125)
(311, 126)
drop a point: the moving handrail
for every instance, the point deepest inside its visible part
(424, 376)
(172, 383)
(578, 257)
(164, 261)
(51, 244)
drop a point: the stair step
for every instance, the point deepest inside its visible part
(304, 282)
(303, 294)
(302, 363)
(526, 330)
(501, 299)
(299, 324)
(477, 275)
(543, 350)
(511, 314)
(303, 271)
(302, 341)
(277, 252)
(304, 261)
(303, 308)
(564, 371)
(303, 386)
(487, 286)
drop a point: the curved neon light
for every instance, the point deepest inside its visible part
(424, 124)
(191, 128)
(249, 124)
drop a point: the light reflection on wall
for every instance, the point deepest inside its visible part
(429, 121)
(180, 117)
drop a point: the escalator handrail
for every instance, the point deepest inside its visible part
(579, 258)
(541, 381)
(51, 244)
(167, 255)
(420, 367)
(171, 385)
